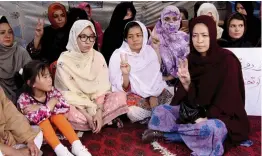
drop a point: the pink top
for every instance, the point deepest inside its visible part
(44, 112)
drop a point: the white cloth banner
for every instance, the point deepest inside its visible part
(251, 63)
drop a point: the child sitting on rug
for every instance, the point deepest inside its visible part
(42, 104)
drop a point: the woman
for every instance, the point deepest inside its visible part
(50, 42)
(253, 33)
(205, 85)
(174, 44)
(210, 10)
(113, 36)
(75, 14)
(17, 137)
(135, 68)
(82, 77)
(12, 57)
(85, 6)
(234, 34)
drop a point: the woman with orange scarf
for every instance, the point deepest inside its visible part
(50, 41)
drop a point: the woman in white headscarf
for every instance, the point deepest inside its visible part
(210, 10)
(135, 68)
(82, 76)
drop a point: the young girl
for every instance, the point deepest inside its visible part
(42, 104)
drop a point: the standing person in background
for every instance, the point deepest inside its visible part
(113, 36)
(253, 34)
(50, 41)
(85, 6)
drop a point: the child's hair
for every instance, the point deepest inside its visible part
(30, 71)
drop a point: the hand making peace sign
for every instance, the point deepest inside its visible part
(39, 30)
(124, 66)
(155, 40)
(183, 73)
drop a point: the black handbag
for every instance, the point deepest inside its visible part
(189, 113)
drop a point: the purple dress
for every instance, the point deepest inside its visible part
(204, 138)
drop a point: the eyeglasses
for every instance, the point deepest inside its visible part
(84, 38)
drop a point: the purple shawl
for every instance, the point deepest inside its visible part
(174, 44)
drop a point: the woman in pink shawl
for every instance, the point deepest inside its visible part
(85, 6)
(174, 44)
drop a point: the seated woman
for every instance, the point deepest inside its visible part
(209, 9)
(234, 34)
(50, 41)
(17, 137)
(45, 106)
(174, 44)
(113, 35)
(253, 32)
(12, 57)
(211, 84)
(135, 68)
(82, 77)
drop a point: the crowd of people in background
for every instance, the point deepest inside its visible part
(175, 76)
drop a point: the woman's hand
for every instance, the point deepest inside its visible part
(183, 73)
(155, 41)
(31, 108)
(124, 66)
(201, 120)
(34, 151)
(39, 30)
(97, 119)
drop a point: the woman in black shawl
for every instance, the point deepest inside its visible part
(50, 41)
(235, 30)
(253, 33)
(113, 36)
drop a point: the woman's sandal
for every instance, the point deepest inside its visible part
(118, 123)
(151, 135)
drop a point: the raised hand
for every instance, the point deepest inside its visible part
(124, 66)
(183, 73)
(39, 30)
(155, 40)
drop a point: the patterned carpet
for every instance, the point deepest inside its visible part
(127, 142)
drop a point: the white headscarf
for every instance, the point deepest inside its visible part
(76, 29)
(81, 77)
(145, 76)
(206, 8)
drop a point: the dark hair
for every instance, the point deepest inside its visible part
(197, 6)
(3, 20)
(129, 26)
(237, 16)
(30, 71)
(184, 11)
